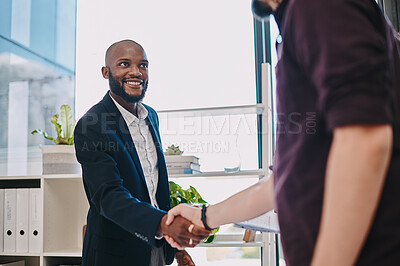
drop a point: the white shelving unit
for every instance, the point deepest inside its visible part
(266, 241)
(220, 174)
(64, 213)
(233, 241)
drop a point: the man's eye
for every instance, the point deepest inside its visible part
(144, 65)
(123, 64)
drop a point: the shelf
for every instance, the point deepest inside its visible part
(221, 174)
(64, 253)
(13, 254)
(215, 111)
(233, 240)
(213, 174)
(55, 176)
(219, 244)
(63, 176)
(20, 177)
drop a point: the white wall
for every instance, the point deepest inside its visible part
(201, 53)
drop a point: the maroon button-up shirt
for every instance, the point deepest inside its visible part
(339, 65)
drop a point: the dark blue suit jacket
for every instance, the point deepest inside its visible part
(121, 223)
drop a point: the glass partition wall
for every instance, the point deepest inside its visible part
(37, 76)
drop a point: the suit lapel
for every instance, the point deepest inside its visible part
(122, 130)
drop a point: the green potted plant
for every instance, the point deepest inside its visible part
(60, 158)
(173, 150)
(190, 196)
(65, 131)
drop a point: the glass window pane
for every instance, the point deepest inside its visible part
(200, 54)
(225, 141)
(33, 85)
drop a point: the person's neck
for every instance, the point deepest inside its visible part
(130, 107)
(279, 14)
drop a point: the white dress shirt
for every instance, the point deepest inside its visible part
(146, 150)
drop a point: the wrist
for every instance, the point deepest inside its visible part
(211, 218)
(197, 217)
(180, 252)
(204, 217)
(162, 227)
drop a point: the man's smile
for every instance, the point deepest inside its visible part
(133, 83)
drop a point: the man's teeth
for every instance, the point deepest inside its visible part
(135, 83)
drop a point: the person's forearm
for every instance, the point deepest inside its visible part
(247, 204)
(356, 170)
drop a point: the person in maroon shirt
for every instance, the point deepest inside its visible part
(336, 184)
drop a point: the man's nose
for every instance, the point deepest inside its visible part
(135, 71)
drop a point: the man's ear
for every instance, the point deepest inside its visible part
(104, 71)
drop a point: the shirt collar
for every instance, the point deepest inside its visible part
(128, 116)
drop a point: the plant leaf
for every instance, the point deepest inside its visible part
(173, 186)
(67, 121)
(202, 201)
(70, 140)
(57, 126)
(210, 239)
(190, 196)
(174, 202)
(197, 195)
(63, 141)
(39, 131)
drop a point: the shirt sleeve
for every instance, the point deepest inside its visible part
(341, 46)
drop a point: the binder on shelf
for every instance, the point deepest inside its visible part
(35, 220)
(10, 205)
(1, 220)
(22, 221)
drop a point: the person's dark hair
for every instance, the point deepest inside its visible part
(261, 10)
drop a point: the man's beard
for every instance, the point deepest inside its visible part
(261, 9)
(118, 89)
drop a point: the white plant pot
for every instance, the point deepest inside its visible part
(59, 159)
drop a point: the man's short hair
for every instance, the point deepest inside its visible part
(111, 47)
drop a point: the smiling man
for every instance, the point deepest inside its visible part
(127, 72)
(118, 145)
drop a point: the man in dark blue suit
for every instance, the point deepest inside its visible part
(118, 145)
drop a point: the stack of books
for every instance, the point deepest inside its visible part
(179, 164)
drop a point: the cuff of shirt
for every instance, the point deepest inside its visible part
(158, 236)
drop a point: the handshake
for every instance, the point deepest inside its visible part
(183, 226)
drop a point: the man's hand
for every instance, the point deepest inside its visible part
(188, 212)
(183, 258)
(247, 204)
(182, 231)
